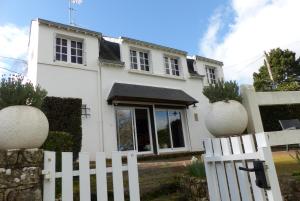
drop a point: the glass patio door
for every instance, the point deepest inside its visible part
(133, 129)
(169, 129)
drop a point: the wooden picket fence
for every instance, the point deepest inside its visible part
(226, 182)
(84, 173)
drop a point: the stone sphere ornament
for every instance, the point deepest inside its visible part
(22, 127)
(226, 118)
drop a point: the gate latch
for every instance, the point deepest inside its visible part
(260, 173)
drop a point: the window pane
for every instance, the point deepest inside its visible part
(73, 44)
(64, 57)
(79, 45)
(57, 48)
(57, 57)
(79, 52)
(73, 51)
(64, 50)
(73, 59)
(142, 130)
(64, 42)
(79, 60)
(176, 128)
(58, 41)
(162, 128)
(125, 131)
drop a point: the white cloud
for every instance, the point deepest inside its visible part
(258, 25)
(13, 44)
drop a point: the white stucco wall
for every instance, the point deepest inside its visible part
(92, 83)
(157, 77)
(70, 80)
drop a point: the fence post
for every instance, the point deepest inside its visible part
(249, 101)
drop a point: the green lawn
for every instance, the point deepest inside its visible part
(285, 164)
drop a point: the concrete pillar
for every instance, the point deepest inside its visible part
(20, 175)
(249, 101)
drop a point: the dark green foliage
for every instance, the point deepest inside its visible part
(285, 70)
(222, 91)
(271, 114)
(64, 114)
(59, 142)
(14, 91)
(196, 168)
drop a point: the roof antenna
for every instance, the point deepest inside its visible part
(72, 11)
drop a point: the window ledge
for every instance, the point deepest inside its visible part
(111, 63)
(196, 76)
(69, 65)
(155, 75)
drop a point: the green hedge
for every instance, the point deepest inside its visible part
(64, 114)
(59, 142)
(271, 114)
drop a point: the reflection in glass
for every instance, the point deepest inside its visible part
(163, 131)
(142, 130)
(176, 128)
(125, 132)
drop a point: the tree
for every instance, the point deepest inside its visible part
(285, 69)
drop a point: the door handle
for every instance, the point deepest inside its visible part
(260, 173)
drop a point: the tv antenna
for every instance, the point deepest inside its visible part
(72, 11)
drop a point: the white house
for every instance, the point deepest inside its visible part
(141, 96)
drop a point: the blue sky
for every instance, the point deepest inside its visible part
(176, 23)
(236, 32)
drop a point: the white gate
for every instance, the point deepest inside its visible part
(84, 173)
(227, 182)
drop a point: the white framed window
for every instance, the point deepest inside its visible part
(68, 50)
(211, 75)
(172, 66)
(139, 60)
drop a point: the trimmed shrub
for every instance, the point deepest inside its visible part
(58, 141)
(222, 91)
(64, 114)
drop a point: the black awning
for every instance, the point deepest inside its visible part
(131, 92)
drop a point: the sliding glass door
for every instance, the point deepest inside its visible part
(133, 129)
(169, 129)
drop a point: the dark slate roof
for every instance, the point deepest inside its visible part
(153, 45)
(190, 65)
(131, 92)
(109, 50)
(69, 27)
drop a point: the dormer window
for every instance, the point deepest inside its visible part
(139, 60)
(69, 50)
(211, 74)
(172, 66)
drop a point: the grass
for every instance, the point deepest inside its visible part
(285, 164)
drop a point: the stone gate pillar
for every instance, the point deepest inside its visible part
(20, 175)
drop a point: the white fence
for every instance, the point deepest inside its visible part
(84, 172)
(226, 182)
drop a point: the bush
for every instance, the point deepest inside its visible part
(222, 91)
(59, 142)
(64, 114)
(14, 91)
(196, 168)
